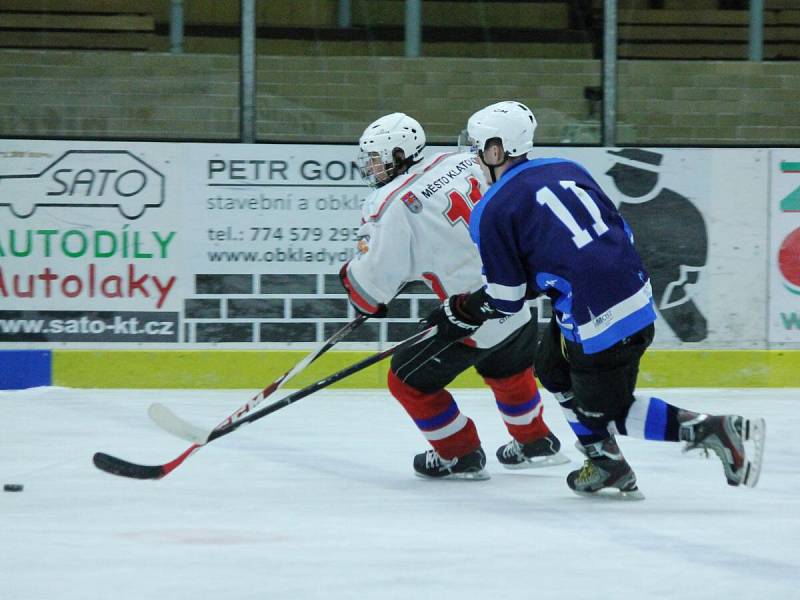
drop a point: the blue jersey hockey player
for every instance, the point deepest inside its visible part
(546, 227)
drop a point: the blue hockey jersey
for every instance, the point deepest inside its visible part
(547, 227)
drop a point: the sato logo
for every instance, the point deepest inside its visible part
(86, 178)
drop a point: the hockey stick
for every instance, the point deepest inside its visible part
(172, 423)
(123, 468)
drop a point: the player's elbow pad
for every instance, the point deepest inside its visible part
(379, 313)
(380, 310)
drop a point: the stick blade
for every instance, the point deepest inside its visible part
(123, 468)
(172, 423)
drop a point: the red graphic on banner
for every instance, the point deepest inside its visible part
(789, 259)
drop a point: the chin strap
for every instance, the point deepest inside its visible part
(493, 167)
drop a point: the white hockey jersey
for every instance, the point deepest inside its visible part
(416, 228)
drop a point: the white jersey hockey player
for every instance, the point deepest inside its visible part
(415, 227)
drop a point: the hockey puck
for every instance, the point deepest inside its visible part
(12, 487)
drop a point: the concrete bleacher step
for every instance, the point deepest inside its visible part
(691, 4)
(671, 33)
(275, 13)
(597, 5)
(780, 4)
(705, 51)
(295, 47)
(78, 22)
(76, 41)
(524, 15)
(90, 24)
(704, 17)
(80, 6)
(553, 14)
(711, 34)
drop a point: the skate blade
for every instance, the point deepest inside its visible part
(539, 462)
(614, 494)
(481, 475)
(753, 430)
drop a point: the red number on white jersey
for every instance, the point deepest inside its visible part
(460, 207)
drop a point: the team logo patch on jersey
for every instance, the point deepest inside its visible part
(363, 245)
(412, 202)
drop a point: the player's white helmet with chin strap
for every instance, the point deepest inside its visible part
(388, 147)
(512, 123)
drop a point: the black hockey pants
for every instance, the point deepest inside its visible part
(431, 365)
(602, 383)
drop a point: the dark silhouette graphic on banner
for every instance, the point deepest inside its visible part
(671, 237)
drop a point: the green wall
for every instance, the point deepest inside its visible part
(255, 370)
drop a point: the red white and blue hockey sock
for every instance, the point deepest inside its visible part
(437, 416)
(649, 418)
(520, 405)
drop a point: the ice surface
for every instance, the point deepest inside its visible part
(319, 501)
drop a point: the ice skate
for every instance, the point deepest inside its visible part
(605, 473)
(470, 466)
(543, 452)
(726, 436)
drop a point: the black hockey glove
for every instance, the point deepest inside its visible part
(452, 319)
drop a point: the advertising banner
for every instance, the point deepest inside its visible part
(267, 229)
(784, 261)
(272, 208)
(699, 220)
(89, 242)
(205, 244)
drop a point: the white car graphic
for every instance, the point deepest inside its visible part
(86, 178)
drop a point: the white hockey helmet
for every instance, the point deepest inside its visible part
(512, 123)
(379, 159)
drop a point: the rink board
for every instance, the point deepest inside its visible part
(255, 370)
(149, 265)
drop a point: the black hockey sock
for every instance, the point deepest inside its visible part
(650, 418)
